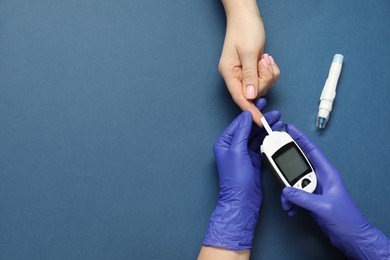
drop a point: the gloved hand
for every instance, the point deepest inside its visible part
(333, 209)
(233, 222)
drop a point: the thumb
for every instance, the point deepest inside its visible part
(302, 198)
(315, 155)
(302, 140)
(243, 130)
(250, 79)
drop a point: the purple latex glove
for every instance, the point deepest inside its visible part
(233, 222)
(333, 209)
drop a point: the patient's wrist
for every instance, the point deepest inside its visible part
(240, 7)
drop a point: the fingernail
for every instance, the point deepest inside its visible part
(267, 59)
(272, 60)
(250, 92)
(264, 63)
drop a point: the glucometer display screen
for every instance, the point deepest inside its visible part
(291, 162)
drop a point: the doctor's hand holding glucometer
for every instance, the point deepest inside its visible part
(333, 209)
(232, 224)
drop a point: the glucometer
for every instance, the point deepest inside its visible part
(287, 161)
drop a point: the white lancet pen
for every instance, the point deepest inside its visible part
(329, 92)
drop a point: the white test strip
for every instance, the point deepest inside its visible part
(266, 125)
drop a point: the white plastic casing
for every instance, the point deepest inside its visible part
(273, 143)
(329, 91)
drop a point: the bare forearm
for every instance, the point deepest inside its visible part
(215, 253)
(233, 7)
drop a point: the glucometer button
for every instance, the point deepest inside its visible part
(305, 182)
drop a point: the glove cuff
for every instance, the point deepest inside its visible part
(370, 244)
(232, 226)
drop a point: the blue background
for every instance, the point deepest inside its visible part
(109, 110)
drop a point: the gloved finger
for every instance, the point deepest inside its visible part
(260, 103)
(272, 117)
(292, 211)
(278, 126)
(249, 76)
(309, 201)
(226, 138)
(241, 135)
(288, 206)
(306, 145)
(315, 155)
(255, 158)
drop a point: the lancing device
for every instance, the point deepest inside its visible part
(329, 92)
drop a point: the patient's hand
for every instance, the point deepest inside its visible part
(248, 73)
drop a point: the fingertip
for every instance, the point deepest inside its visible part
(287, 191)
(293, 211)
(286, 205)
(272, 117)
(257, 121)
(278, 126)
(267, 58)
(242, 132)
(271, 60)
(276, 70)
(274, 114)
(260, 103)
(264, 63)
(292, 129)
(266, 75)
